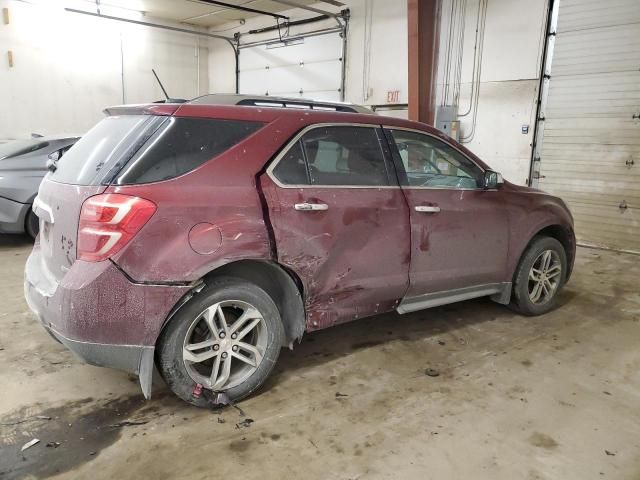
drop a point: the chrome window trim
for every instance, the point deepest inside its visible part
(315, 126)
(422, 132)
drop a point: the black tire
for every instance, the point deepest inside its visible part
(521, 302)
(32, 224)
(169, 353)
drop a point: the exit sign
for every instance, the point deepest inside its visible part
(393, 96)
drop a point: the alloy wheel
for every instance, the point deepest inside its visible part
(225, 344)
(544, 277)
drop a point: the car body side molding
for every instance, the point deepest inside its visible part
(498, 292)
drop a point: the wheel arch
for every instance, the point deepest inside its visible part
(559, 232)
(282, 285)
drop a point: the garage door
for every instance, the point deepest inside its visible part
(590, 153)
(308, 68)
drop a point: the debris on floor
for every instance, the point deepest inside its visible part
(431, 372)
(128, 423)
(24, 420)
(29, 444)
(246, 423)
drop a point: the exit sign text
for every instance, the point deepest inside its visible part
(393, 96)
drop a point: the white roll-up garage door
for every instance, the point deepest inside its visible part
(590, 153)
(309, 68)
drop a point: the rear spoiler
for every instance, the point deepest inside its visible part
(165, 109)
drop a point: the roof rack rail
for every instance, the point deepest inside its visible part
(278, 102)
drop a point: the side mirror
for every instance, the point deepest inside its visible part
(492, 180)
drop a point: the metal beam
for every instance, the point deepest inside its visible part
(423, 28)
(308, 8)
(313, 33)
(243, 9)
(154, 25)
(333, 2)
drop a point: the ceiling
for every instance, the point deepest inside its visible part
(198, 12)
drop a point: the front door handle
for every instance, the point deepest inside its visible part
(311, 207)
(427, 209)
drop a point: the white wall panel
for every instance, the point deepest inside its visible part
(514, 34)
(68, 67)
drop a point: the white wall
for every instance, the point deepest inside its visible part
(68, 67)
(384, 60)
(514, 35)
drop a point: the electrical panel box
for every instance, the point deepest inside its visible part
(447, 121)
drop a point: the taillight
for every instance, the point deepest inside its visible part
(108, 222)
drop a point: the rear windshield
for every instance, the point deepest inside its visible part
(132, 149)
(103, 150)
(20, 147)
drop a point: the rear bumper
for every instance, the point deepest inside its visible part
(100, 315)
(12, 215)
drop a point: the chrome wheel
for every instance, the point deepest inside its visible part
(544, 277)
(225, 344)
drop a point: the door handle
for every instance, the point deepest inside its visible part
(311, 207)
(427, 209)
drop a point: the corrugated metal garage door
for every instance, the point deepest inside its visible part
(590, 152)
(309, 69)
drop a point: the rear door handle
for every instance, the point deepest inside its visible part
(427, 209)
(311, 207)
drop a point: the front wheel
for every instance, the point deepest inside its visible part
(541, 273)
(226, 339)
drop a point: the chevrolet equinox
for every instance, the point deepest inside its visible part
(201, 238)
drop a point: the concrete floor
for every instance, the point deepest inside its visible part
(555, 397)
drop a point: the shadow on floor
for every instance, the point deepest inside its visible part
(15, 240)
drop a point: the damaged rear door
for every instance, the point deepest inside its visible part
(340, 221)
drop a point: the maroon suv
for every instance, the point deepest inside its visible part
(203, 237)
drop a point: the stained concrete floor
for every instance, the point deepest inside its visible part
(555, 397)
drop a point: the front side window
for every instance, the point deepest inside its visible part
(429, 162)
(334, 156)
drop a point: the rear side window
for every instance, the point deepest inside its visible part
(181, 145)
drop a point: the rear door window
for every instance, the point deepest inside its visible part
(345, 155)
(181, 145)
(292, 170)
(335, 156)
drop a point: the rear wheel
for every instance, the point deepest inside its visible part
(31, 224)
(540, 275)
(226, 339)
